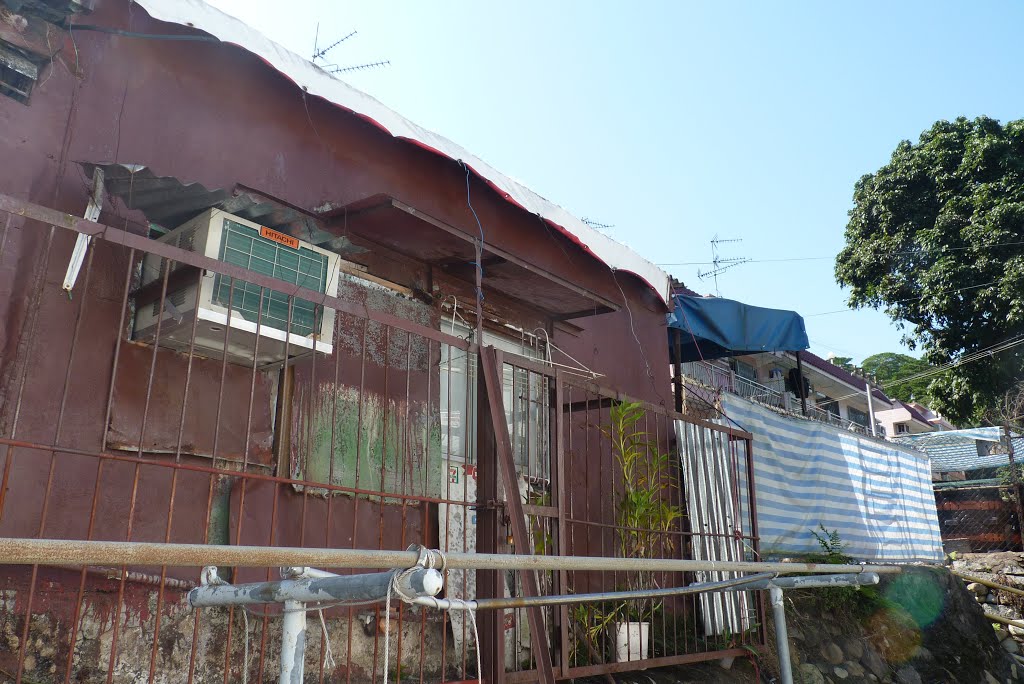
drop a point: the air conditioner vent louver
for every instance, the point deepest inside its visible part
(304, 267)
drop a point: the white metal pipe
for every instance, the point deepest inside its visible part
(738, 584)
(752, 583)
(16, 551)
(299, 573)
(293, 643)
(859, 579)
(781, 634)
(871, 409)
(333, 588)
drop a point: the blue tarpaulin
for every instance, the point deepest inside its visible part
(713, 328)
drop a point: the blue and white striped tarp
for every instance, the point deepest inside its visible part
(876, 495)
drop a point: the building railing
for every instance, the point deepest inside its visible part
(722, 379)
(755, 391)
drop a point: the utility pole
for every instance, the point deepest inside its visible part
(800, 388)
(871, 406)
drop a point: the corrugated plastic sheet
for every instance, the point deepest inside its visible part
(955, 450)
(317, 82)
(876, 495)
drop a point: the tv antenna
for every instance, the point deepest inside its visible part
(320, 54)
(719, 263)
(597, 224)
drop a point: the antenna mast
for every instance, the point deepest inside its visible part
(319, 55)
(597, 224)
(721, 264)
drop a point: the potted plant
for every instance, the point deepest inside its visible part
(644, 518)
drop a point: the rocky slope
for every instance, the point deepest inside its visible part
(919, 627)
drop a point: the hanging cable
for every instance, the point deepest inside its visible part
(1009, 343)
(479, 257)
(430, 559)
(823, 258)
(910, 299)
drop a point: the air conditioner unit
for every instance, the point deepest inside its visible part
(204, 299)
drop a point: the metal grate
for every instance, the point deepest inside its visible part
(243, 246)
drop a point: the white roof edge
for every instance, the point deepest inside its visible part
(198, 14)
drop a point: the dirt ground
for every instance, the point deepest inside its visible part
(741, 672)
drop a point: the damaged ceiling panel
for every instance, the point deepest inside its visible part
(404, 229)
(50, 10)
(168, 202)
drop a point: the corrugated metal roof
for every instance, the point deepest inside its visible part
(954, 450)
(829, 368)
(317, 82)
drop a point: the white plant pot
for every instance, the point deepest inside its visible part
(632, 641)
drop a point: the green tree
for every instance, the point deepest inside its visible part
(889, 366)
(936, 240)
(844, 362)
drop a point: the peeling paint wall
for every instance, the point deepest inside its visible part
(99, 101)
(369, 443)
(370, 418)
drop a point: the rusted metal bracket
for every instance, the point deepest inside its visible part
(490, 361)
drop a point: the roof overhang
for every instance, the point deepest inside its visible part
(381, 220)
(402, 228)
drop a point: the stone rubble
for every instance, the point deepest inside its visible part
(1005, 568)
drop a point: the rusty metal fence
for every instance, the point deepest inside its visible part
(402, 434)
(979, 517)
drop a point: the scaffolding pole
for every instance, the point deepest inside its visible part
(15, 551)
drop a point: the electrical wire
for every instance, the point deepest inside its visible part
(145, 36)
(910, 299)
(479, 253)
(997, 348)
(823, 258)
(580, 366)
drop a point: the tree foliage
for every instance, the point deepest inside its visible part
(936, 240)
(844, 362)
(890, 366)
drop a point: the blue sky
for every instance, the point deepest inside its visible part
(675, 122)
